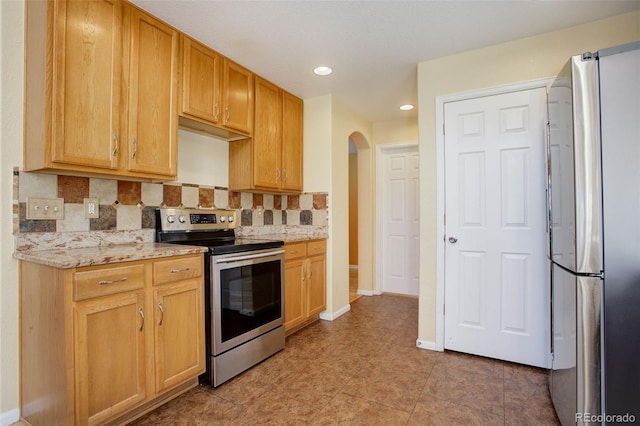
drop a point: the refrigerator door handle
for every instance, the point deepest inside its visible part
(548, 215)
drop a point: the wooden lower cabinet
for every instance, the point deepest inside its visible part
(305, 283)
(179, 335)
(110, 356)
(102, 343)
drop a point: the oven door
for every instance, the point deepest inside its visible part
(246, 296)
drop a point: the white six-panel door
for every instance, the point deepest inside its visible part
(496, 273)
(400, 218)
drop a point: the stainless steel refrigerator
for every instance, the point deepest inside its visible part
(593, 164)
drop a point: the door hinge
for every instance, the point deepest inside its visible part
(443, 306)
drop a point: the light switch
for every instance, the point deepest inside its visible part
(45, 208)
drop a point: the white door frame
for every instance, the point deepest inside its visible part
(440, 185)
(383, 149)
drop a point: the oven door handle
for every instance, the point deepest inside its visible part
(249, 256)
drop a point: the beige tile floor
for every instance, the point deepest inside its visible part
(364, 369)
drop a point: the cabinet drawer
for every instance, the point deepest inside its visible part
(316, 247)
(295, 250)
(108, 280)
(168, 271)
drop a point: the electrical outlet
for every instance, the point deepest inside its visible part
(91, 208)
(45, 208)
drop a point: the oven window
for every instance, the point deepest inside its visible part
(250, 297)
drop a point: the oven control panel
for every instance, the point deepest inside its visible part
(174, 219)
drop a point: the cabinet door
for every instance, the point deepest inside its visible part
(292, 109)
(153, 113)
(267, 135)
(200, 81)
(86, 83)
(109, 356)
(237, 94)
(179, 333)
(316, 285)
(294, 293)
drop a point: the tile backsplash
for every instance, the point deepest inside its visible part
(130, 206)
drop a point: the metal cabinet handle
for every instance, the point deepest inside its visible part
(175, 271)
(161, 313)
(453, 239)
(285, 175)
(115, 149)
(277, 174)
(141, 316)
(121, 280)
(226, 115)
(216, 114)
(304, 273)
(135, 147)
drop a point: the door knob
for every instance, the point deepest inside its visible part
(453, 239)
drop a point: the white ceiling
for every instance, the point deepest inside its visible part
(373, 46)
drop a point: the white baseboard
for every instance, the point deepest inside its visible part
(365, 292)
(426, 344)
(9, 417)
(332, 316)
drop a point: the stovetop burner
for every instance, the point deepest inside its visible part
(207, 228)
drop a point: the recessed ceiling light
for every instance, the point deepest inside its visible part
(407, 107)
(322, 70)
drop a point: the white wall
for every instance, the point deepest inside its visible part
(202, 159)
(11, 83)
(395, 131)
(516, 61)
(317, 144)
(344, 123)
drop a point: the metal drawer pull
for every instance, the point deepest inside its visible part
(161, 313)
(121, 280)
(249, 256)
(175, 271)
(141, 316)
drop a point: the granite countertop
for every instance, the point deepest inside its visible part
(104, 254)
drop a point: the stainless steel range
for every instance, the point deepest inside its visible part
(244, 304)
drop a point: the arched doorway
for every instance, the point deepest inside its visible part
(360, 218)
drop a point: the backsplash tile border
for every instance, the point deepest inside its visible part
(128, 208)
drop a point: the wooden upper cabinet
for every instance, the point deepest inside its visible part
(100, 90)
(152, 124)
(292, 128)
(237, 97)
(201, 68)
(72, 103)
(216, 93)
(267, 135)
(272, 159)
